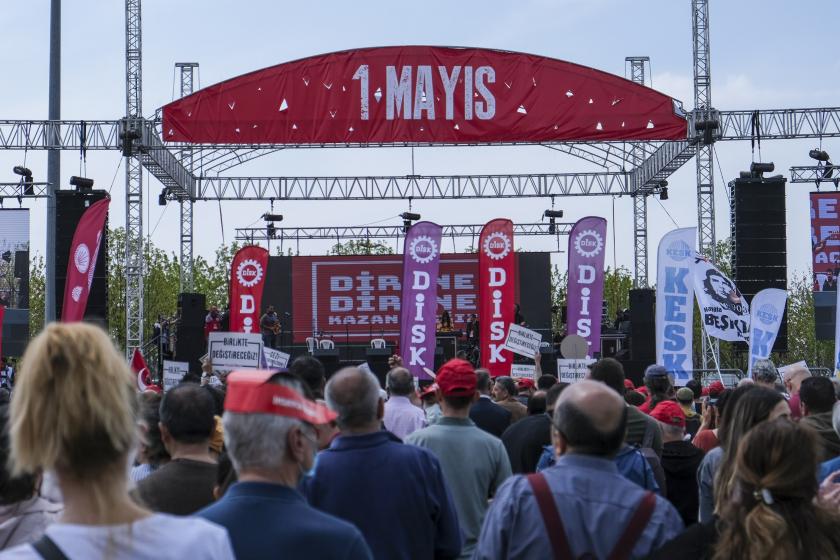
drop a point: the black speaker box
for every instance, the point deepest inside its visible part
(190, 345)
(643, 324)
(759, 238)
(69, 207)
(192, 309)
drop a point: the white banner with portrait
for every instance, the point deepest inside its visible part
(724, 312)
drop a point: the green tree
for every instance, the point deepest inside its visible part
(37, 294)
(361, 247)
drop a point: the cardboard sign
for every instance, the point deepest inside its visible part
(522, 341)
(572, 371)
(275, 358)
(173, 373)
(229, 351)
(522, 371)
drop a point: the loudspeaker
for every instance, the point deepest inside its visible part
(190, 345)
(643, 324)
(192, 309)
(759, 237)
(824, 313)
(22, 273)
(69, 207)
(15, 331)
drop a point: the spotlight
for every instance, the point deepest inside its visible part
(162, 197)
(81, 183)
(757, 169)
(553, 214)
(272, 217)
(663, 184)
(819, 155)
(26, 175)
(22, 171)
(408, 217)
(663, 193)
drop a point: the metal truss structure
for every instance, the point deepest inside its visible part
(816, 174)
(191, 173)
(338, 233)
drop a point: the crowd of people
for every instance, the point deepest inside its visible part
(290, 464)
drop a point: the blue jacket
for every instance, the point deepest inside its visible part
(271, 521)
(630, 462)
(394, 493)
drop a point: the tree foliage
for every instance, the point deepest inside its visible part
(361, 247)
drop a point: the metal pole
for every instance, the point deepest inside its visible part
(53, 156)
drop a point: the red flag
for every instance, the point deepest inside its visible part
(138, 366)
(80, 266)
(496, 289)
(247, 278)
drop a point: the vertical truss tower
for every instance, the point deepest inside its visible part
(637, 154)
(187, 70)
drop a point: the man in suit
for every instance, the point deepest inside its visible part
(486, 414)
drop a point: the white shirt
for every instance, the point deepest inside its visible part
(157, 537)
(402, 417)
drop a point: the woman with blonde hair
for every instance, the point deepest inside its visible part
(74, 412)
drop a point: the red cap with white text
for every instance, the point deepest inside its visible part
(250, 392)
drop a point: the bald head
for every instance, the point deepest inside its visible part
(590, 419)
(399, 382)
(794, 376)
(354, 395)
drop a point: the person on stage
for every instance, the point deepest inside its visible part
(270, 327)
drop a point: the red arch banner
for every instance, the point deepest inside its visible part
(423, 94)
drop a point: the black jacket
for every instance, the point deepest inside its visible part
(524, 442)
(680, 461)
(490, 417)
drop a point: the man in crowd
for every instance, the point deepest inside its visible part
(401, 416)
(311, 371)
(504, 393)
(395, 494)
(546, 382)
(827, 468)
(213, 321)
(184, 485)
(474, 462)
(270, 327)
(581, 506)
(659, 386)
(642, 430)
(685, 398)
(486, 414)
(817, 397)
(263, 512)
(525, 440)
(680, 460)
(765, 374)
(525, 390)
(793, 378)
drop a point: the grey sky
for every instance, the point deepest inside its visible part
(765, 54)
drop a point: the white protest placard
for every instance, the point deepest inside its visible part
(784, 369)
(572, 371)
(173, 373)
(275, 358)
(229, 351)
(520, 371)
(522, 341)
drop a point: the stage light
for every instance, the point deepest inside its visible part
(553, 214)
(663, 193)
(162, 197)
(22, 171)
(81, 183)
(272, 217)
(758, 169)
(819, 155)
(411, 217)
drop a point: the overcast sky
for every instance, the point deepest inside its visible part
(765, 54)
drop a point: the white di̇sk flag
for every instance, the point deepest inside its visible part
(768, 308)
(675, 303)
(724, 312)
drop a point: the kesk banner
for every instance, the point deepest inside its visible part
(496, 283)
(768, 307)
(82, 262)
(418, 312)
(247, 278)
(724, 312)
(675, 303)
(586, 280)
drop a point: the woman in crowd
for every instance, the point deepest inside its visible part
(706, 437)
(771, 511)
(74, 412)
(151, 453)
(747, 407)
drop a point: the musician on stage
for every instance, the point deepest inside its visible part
(270, 327)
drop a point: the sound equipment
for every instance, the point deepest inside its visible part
(824, 313)
(22, 274)
(643, 324)
(548, 363)
(759, 238)
(69, 207)
(190, 344)
(15, 331)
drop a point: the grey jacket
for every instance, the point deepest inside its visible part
(25, 522)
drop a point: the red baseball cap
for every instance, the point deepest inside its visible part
(715, 388)
(669, 412)
(628, 384)
(249, 392)
(525, 383)
(456, 378)
(430, 388)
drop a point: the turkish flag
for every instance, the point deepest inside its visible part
(138, 366)
(80, 266)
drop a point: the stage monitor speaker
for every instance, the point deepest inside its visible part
(824, 313)
(643, 324)
(192, 309)
(69, 207)
(759, 239)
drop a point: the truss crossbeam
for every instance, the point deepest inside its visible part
(781, 124)
(411, 186)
